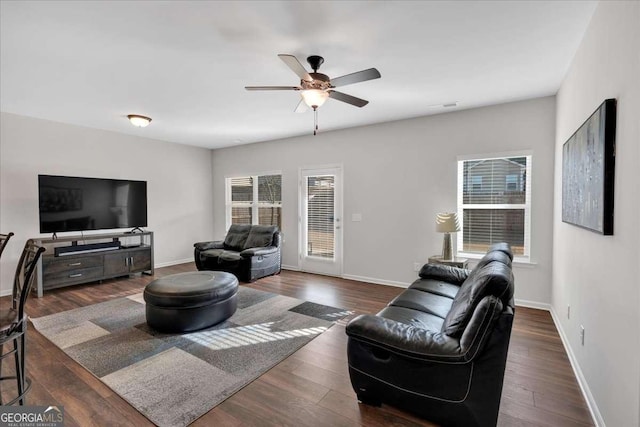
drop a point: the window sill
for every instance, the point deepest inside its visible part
(517, 261)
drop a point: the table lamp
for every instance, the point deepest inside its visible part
(447, 223)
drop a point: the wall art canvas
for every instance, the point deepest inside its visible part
(588, 166)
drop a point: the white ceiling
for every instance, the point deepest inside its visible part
(185, 63)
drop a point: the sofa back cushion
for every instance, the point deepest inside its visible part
(260, 236)
(502, 247)
(494, 278)
(497, 256)
(237, 237)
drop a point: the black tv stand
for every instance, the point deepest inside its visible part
(133, 230)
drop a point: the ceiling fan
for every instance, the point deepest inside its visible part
(316, 87)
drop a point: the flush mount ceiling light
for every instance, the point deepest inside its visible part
(315, 88)
(139, 121)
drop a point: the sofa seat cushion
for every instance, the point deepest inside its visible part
(436, 287)
(423, 301)
(411, 317)
(495, 279)
(237, 237)
(230, 256)
(260, 236)
(211, 253)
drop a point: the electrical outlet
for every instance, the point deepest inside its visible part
(568, 312)
(581, 334)
(417, 266)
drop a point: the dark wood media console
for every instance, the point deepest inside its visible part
(135, 255)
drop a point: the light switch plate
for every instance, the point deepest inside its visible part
(356, 217)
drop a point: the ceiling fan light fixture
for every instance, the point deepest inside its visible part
(314, 98)
(139, 121)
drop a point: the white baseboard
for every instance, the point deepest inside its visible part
(533, 304)
(582, 382)
(290, 267)
(170, 263)
(6, 292)
(376, 281)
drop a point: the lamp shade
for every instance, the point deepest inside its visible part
(314, 97)
(447, 223)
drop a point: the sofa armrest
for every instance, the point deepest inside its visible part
(203, 246)
(406, 340)
(445, 273)
(248, 253)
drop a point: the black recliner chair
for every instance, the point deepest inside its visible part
(439, 349)
(248, 251)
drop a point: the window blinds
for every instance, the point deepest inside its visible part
(320, 216)
(254, 200)
(494, 197)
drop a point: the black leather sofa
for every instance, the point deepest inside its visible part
(248, 251)
(439, 349)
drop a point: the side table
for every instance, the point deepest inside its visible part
(455, 262)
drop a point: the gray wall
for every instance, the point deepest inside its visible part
(599, 275)
(398, 176)
(178, 179)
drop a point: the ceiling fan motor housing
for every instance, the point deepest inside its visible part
(320, 81)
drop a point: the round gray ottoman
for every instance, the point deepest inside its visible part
(190, 301)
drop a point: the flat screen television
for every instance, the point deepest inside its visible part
(69, 203)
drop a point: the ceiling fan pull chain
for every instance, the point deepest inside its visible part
(315, 121)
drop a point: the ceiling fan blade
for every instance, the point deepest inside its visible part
(358, 102)
(302, 107)
(295, 65)
(272, 87)
(356, 77)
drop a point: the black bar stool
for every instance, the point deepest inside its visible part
(13, 323)
(4, 239)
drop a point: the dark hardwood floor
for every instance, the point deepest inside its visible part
(311, 387)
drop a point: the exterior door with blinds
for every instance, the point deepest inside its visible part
(321, 221)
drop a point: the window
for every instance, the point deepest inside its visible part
(476, 183)
(254, 200)
(511, 182)
(494, 202)
(320, 216)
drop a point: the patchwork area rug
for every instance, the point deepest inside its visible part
(172, 379)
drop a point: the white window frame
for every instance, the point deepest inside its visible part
(255, 204)
(526, 206)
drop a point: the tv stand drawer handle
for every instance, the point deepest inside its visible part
(75, 275)
(74, 264)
